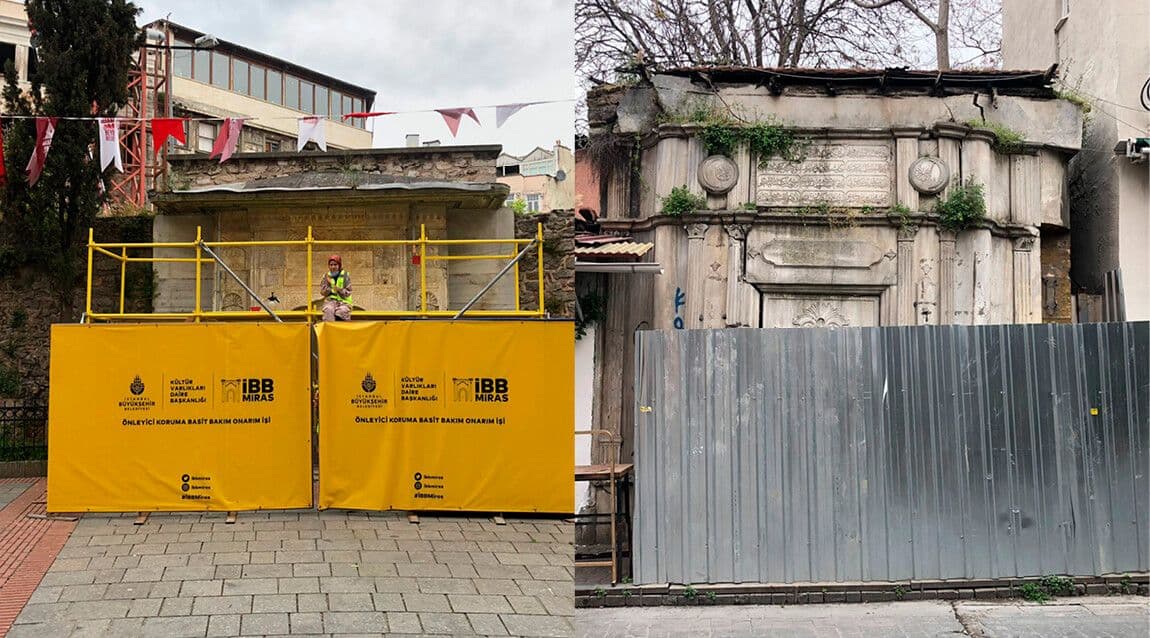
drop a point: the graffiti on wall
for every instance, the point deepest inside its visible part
(680, 301)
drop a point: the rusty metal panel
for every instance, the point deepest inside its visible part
(884, 454)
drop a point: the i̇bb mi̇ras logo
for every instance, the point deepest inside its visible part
(247, 390)
(480, 389)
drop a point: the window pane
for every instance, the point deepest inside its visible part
(306, 97)
(347, 104)
(206, 137)
(321, 100)
(258, 76)
(182, 60)
(336, 105)
(202, 70)
(291, 92)
(220, 70)
(240, 76)
(275, 87)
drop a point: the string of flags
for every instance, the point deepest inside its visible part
(311, 129)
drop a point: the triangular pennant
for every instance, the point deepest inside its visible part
(453, 116)
(504, 111)
(235, 125)
(367, 114)
(45, 130)
(109, 129)
(311, 129)
(221, 140)
(165, 127)
(227, 139)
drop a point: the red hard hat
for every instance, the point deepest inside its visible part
(336, 259)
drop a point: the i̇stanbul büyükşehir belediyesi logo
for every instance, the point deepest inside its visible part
(480, 389)
(247, 390)
(368, 399)
(136, 401)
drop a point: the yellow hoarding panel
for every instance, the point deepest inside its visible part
(179, 417)
(463, 415)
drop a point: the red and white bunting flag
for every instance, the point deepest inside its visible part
(311, 130)
(45, 129)
(109, 128)
(504, 111)
(453, 116)
(227, 139)
(165, 127)
(365, 114)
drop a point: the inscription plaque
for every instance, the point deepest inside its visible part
(838, 174)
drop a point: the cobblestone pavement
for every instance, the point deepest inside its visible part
(306, 573)
(1089, 617)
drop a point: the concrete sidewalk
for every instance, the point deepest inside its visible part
(1087, 617)
(306, 573)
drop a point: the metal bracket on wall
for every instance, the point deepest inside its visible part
(241, 282)
(491, 283)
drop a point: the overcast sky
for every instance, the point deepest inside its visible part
(417, 54)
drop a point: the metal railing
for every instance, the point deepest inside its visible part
(205, 254)
(23, 432)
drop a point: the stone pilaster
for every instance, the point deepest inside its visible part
(742, 309)
(906, 152)
(946, 270)
(904, 300)
(1024, 282)
(696, 274)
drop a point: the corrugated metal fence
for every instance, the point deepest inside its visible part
(877, 454)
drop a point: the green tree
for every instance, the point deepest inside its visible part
(85, 50)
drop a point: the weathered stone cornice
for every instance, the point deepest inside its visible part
(795, 218)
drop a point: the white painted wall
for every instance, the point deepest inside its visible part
(584, 393)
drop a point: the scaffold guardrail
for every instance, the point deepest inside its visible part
(204, 252)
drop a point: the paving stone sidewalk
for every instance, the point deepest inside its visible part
(1087, 617)
(306, 573)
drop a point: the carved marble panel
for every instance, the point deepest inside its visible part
(819, 311)
(806, 255)
(859, 173)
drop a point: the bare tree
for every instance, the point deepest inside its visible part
(978, 26)
(781, 33)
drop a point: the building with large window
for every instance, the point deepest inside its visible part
(14, 39)
(230, 80)
(542, 178)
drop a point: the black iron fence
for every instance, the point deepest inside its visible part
(23, 431)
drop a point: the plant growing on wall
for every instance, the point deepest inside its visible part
(518, 206)
(963, 206)
(592, 309)
(1006, 139)
(680, 200)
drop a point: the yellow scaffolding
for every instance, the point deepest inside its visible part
(519, 248)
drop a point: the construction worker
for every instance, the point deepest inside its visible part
(336, 291)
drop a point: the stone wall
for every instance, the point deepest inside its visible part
(458, 164)
(558, 262)
(26, 327)
(1056, 292)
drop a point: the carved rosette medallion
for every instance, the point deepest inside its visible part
(718, 174)
(820, 314)
(929, 175)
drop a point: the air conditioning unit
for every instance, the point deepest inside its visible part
(1138, 149)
